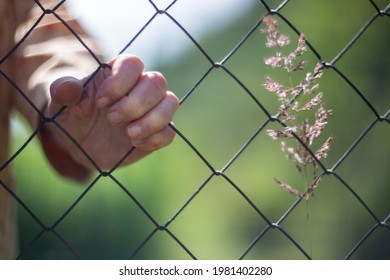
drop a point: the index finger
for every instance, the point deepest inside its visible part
(123, 76)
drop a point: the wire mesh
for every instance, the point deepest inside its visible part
(261, 221)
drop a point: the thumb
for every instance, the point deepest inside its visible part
(65, 91)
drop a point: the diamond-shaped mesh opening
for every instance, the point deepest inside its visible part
(372, 84)
(369, 187)
(379, 237)
(49, 247)
(219, 228)
(273, 244)
(338, 31)
(95, 211)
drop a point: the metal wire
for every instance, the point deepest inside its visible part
(221, 65)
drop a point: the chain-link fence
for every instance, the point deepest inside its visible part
(211, 193)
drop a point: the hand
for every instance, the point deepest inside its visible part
(120, 108)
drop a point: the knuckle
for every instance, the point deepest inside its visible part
(157, 81)
(173, 100)
(159, 140)
(168, 107)
(114, 91)
(170, 136)
(136, 63)
(126, 71)
(149, 95)
(131, 109)
(130, 61)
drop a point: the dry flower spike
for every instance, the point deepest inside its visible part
(302, 111)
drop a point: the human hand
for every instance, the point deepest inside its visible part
(120, 108)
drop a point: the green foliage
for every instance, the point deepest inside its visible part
(218, 117)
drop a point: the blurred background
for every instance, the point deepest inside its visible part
(218, 117)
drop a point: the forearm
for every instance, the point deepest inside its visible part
(51, 51)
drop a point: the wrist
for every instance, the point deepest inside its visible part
(60, 158)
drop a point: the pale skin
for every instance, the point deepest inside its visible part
(120, 108)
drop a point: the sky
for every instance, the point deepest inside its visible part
(115, 22)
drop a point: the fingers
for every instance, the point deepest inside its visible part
(146, 125)
(139, 102)
(156, 141)
(150, 90)
(154, 122)
(121, 78)
(65, 91)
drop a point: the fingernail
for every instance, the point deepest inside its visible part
(103, 102)
(134, 131)
(114, 117)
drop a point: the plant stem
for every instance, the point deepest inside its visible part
(309, 228)
(307, 211)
